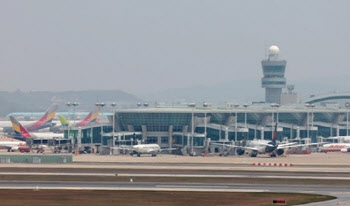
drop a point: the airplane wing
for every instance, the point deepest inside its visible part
(123, 148)
(284, 146)
(234, 146)
(169, 149)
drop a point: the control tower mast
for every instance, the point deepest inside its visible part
(273, 80)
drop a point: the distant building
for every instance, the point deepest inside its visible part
(290, 97)
(273, 80)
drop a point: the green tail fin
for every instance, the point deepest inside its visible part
(63, 121)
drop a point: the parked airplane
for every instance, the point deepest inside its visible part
(91, 117)
(139, 149)
(152, 149)
(14, 145)
(256, 147)
(23, 133)
(335, 147)
(44, 122)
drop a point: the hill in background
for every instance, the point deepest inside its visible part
(39, 101)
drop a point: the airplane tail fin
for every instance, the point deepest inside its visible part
(18, 128)
(48, 116)
(63, 121)
(91, 117)
(275, 134)
(50, 113)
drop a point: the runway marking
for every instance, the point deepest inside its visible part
(191, 186)
(136, 189)
(172, 175)
(58, 173)
(232, 176)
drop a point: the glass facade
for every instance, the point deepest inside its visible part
(153, 121)
(88, 134)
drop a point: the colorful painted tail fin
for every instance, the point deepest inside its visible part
(48, 116)
(275, 134)
(18, 128)
(63, 121)
(91, 117)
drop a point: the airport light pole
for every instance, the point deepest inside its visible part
(245, 115)
(101, 105)
(68, 105)
(113, 106)
(192, 105)
(347, 105)
(274, 105)
(312, 114)
(236, 123)
(205, 105)
(245, 120)
(307, 121)
(74, 104)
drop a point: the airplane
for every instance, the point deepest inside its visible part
(22, 133)
(139, 149)
(44, 122)
(91, 117)
(264, 146)
(14, 145)
(335, 147)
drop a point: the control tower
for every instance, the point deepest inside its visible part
(273, 80)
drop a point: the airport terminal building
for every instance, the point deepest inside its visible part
(192, 129)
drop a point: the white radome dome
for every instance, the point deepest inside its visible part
(274, 50)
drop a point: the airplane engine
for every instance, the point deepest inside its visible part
(239, 151)
(279, 152)
(345, 150)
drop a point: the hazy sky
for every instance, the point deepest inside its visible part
(143, 46)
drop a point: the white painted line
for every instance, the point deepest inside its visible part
(57, 173)
(233, 176)
(136, 189)
(190, 186)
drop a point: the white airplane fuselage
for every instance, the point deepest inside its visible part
(46, 135)
(146, 149)
(259, 144)
(336, 147)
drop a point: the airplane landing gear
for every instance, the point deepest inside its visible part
(253, 154)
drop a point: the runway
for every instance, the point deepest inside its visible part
(342, 192)
(316, 176)
(178, 174)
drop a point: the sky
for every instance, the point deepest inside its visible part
(151, 46)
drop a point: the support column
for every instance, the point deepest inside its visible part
(170, 138)
(298, 132)
(337, 130)
(79, 140)
(159, 140)
(144, 134)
